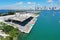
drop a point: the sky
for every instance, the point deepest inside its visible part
(16, 4)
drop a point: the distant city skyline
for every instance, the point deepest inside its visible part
(18, 4)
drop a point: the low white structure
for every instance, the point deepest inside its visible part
(21, 17)
(2, 18)
(3, 34)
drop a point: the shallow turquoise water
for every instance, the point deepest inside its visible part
(47, 27)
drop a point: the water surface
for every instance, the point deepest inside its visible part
(47, 27)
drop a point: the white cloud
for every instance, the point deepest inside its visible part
(12, 6)
(31, 2)
(59, 0)
(50, 0)
(28, 2)
(20, 3)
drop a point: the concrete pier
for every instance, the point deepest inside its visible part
(26, 28)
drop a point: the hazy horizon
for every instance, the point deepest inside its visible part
(21, 4)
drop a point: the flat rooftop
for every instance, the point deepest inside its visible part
(24, 22)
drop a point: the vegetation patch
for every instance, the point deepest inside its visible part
(13, 32)
(8, 13)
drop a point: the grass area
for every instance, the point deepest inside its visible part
(13, 32)
(0, 38)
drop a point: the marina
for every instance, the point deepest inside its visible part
(23, 21)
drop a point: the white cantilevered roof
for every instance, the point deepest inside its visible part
(21, 17)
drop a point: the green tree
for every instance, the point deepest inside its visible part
(7, 28)
(11, 13)
(13, 33)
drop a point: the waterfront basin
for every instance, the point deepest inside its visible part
(47, 27)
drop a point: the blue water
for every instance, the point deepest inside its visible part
(5, 11)
(47, 27)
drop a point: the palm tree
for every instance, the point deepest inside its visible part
(13, 33)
